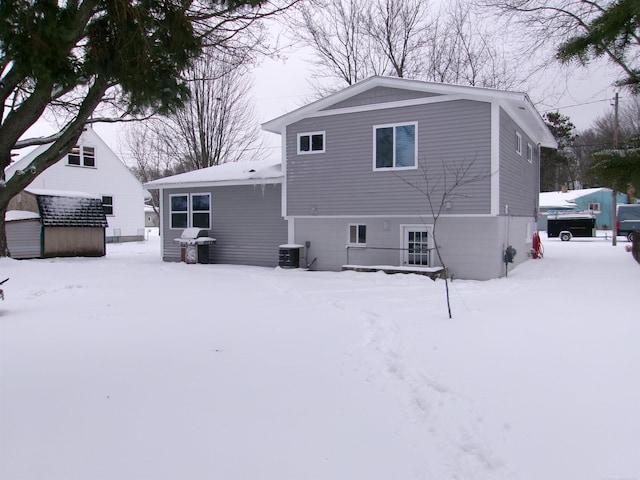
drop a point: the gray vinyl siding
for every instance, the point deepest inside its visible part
(24, 238)
(246, 223)
(380, 95)
(471, 247)
(342, 181)
(519, 179)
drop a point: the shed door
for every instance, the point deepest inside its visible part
(417, 240)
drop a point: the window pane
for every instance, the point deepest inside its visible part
(178, 220)
(304, 143)
(362, 234)
(179, 203)
(317, 142)
(405, 146)
(384, 147)
(201, 220)
(353, 233)
(74, 156)
(200, 202)
(89, 156)
(107, 204)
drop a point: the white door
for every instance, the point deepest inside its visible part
(417, 239)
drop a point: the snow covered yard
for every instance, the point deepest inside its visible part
(125, 367)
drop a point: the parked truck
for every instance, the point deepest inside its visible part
(628, 220)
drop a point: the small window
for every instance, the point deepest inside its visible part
(85, 156)
(357, 235)
(74, 156)
(529, 153)
(394, 147)
(518, 143)
(594, 207)
(190, 210)
(89, 156)
(311, 142)
(107, 204)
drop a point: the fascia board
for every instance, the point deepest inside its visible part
(223, 183)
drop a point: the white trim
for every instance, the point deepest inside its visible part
(426, 227)
(415, 146)
(495, 159)
(518, 143)
(356, 243)
(419, 216)
(220, 183)
(310, 135)
(283, 171)
(189, 212)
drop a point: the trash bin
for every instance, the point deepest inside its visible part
(194, 245)
(289, 256)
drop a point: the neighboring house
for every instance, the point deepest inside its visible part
(352, 167)
(47, 223)
(92, 167)
(238, 204)
(597, 201)
(151, 218)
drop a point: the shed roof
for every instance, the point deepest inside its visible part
(233, 173)
(566, 199)
(60, 210)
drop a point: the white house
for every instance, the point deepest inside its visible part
(92, 167)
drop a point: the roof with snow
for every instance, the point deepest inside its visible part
(516, 104)
(236, 173)
(567, 199)
(59, 209)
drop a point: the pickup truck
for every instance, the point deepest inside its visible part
(628, 220)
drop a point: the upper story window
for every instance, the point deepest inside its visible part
(311, 142)
(190, 210)
(82, 156)
(594, 207)
(394, 146)
(529, 153)
(107, 204)
(518, 143)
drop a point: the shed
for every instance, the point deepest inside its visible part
(46, 223)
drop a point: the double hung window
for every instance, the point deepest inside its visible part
(394, 146)
(190, 210)
(529, 153)
(107, 204)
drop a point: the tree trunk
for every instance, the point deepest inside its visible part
(4, 246)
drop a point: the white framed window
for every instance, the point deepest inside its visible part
(82, 156)
(357, 235)
(529, 153)
(395, 146)
(311, 142)
(518, 143)
(594, 207)
(107, 204)
(190, 210)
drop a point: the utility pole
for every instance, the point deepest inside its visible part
(614, 213)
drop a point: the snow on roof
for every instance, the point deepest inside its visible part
(13, 215)
(566, 199)
(258, 171)
(60, 193)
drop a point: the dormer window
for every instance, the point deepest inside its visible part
(312, 142)
(82, 156)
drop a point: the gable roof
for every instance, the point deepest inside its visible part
(233, 173)
(516, 104)
(89, 137)
(69, 209)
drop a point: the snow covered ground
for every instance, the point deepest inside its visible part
(125, 367)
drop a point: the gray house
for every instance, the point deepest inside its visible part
(367, 170)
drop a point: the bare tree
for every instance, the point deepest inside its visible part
(441, 185)
(216, 125)
(405, 39)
